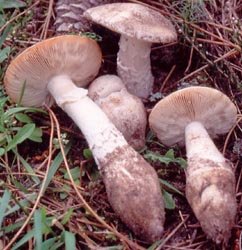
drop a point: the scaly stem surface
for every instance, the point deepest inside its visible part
(131, 183)
(210, 184)
(133, 66)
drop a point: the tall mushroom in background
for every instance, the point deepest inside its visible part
(139, 27)
(52, 69)
(126, 111)
(191, 116)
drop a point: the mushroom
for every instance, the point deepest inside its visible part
(54, 67)
(139, 27)
(126, 111)
(193, 116)
(52, 63)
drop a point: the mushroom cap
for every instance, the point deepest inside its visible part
(105, 85)
(125, 111)
(170, 116)
(75, 56)
(134, 20)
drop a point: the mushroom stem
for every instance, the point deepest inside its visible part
(101, 140)
(199, 144)
(210, 184)
(133, 66)
(132, 185)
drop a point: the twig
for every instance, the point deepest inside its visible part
(181, 20)
(167, 78)
(171, 234)
(43, 34)
(229, 134)
(228, 54)
(191, 52)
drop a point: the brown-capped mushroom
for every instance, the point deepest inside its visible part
(192, 116)
(52, 69)
(139, 27)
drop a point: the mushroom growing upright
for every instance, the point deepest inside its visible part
(52, 69)
(126, 111)
(191, 116)
(139, 27)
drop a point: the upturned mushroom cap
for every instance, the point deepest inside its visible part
(133, 20)
(104, 86)
(77, 57)
(171, 115)
(126, 111)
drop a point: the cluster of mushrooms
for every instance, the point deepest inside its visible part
(113, 119)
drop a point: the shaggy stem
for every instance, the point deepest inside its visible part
(210, 184)
(133, 66)
(131, 183)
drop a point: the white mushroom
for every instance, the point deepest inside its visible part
(126, 111)
(56, 66)
(139, 27)
(192, 116)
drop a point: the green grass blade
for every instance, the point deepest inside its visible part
(16, 110)
(169, 202)
(70, 240)
(67, 216)
(38, 229)
(23, 203)
(36, 136)
(47, 244)
(10, 228)
(170, 187)
(4, 54)
(75, 173)
(23, 118)
(4, 35)
(57, 246)
(27, 167)
(4, 204)
(21, 136)
(155, 244)
(55, 165)
(21, 94)
(13, 4)
(24, 240)
(20, 186)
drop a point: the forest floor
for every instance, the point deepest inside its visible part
(56, 215)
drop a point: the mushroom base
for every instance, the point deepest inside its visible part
(134, 192)
(210, 190)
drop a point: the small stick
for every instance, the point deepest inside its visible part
(47, 20)
(167, 77)
(171, 234)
